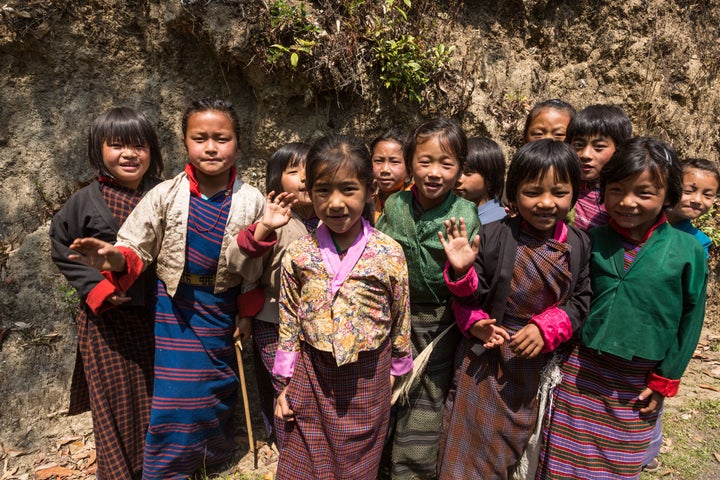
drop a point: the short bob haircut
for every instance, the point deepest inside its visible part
(700, 164)
(552, 104)
(331, 153)
(606, 120)
(450, 135)
(291, 154)
(390, 135)
(213, 104)
(484, 156)
(128, 127)
(534, 159)
(640, 154)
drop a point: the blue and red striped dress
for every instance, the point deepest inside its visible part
(195, 365)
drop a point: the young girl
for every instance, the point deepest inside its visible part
(113, 370)
(530, 290)
(435, 154)
(648, 283)
(186, 224)
(344, 325)
(483, 178)
(548, 119)
(267, 241)
(389, 167)
(595, 133)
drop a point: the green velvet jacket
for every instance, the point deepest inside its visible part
(655, 309)
(417, 232)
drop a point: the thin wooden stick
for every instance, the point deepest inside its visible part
(243, 387)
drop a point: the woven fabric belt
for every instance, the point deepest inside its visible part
(198, 280)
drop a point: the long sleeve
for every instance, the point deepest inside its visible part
(289, 331)
(402, 361)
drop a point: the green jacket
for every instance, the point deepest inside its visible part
(418, 236)
(655, 309)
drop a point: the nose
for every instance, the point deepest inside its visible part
(335, 201)
(129, 151)
(586, 152)
(546, 201)
(696, 198)
(210, 145)
(434, 170)
(385, 168)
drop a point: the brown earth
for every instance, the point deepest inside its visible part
(62, 63)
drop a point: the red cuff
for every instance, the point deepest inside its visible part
(251, 302)
(466, 317)
(555, 327)
(97, 296)
(133, 268)
(664, 386)
(462, 287)
(255, 248)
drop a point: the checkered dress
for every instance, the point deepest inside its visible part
(113, 374)
(492, 409)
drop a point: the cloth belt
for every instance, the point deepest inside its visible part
(198, 280)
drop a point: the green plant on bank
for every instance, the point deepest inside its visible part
(406, 63)
(69, 299)
(292, 22)
(710, 226)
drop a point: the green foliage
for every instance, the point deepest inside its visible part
(406, 63)
(69, 299)
(292, 24)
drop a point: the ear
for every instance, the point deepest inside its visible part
(184, 143)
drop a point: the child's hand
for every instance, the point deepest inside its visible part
(655, 401)
(243, 328)
(460, 253)
(282, 409)
(527, 342)
(96, 253)
(492, 335)
(277, 213)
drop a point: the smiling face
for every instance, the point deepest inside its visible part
(339, 201)
(700, 188)
(544, 201)
(594, 152)
(635, 203)
(435, 172)
(549, 123)
(126, 163)
(389, 166)
(212, 146)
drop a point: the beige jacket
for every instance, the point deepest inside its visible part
(266, 269)
(157, 229)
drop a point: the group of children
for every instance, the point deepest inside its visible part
(538, 321)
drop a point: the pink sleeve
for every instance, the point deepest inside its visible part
(463, 287)
(284, 365)
(401, 365)
(555, 327)
(466, 316)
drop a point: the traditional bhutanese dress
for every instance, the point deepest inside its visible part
(349, 319)
(113, 373)
(195, 365)
(493, 407)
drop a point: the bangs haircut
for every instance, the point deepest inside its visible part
(484, 156)
(701, 164)
(533, 160)
(640, 154)
(552, 104)
(605, 120)
(450, 135)
(213, 104)
(291, 154)
(126, 126)
(390, 135)
(333, 152)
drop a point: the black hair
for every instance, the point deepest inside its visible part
(216, 104)
(392, 134)
(534, 159)
(129, 127)
(640, 154)
(450, 135)
(333, 152)
(552, 104)
(291, 154)
(484, 156)
(700, 164)
(606, 120)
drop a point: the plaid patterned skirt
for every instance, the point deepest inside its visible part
(594, 429)
(341, 416)
(114, 378)
(265, 341)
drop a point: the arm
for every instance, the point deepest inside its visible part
(402, 361)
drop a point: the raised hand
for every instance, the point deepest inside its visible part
(278, 210)
(97, 254)
(460, 252)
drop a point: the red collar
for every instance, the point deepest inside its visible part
(625, 233)
(195, 187)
